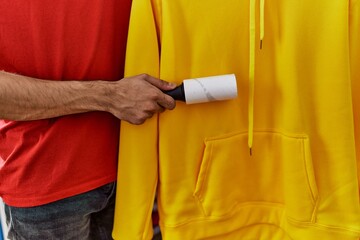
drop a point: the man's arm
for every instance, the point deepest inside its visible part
(132, 99)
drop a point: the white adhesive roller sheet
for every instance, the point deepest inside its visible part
(207, 89)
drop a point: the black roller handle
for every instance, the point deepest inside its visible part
(177, 93)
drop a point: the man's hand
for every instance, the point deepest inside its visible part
(135, 99)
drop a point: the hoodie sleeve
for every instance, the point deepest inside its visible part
(138, 158)
(355, 72)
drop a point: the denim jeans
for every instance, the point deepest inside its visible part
(88, 216)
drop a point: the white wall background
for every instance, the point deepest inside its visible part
(2, 218)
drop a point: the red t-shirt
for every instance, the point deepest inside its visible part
(47, 160)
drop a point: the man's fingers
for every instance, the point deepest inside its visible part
(166, 101)
(161, 84)
(161, 98)
(143, 98)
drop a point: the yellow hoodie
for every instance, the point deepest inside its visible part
(298, 109)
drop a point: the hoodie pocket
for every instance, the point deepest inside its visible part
(279, 171)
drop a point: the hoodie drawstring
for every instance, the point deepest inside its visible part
(252, 46)
(262, 21)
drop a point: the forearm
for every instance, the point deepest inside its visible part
(24, 98)
(133, 99)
